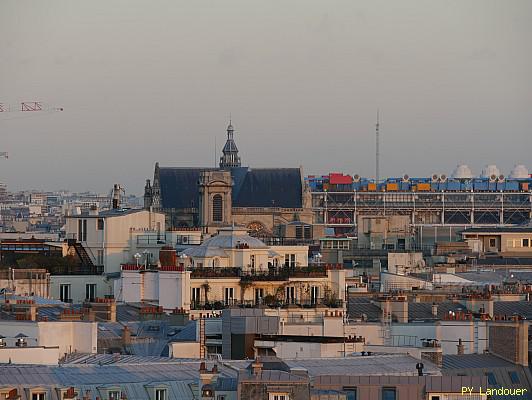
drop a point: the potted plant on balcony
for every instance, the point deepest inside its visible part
(206, 288)
(244, 285)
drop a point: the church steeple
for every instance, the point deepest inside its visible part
(230, 158)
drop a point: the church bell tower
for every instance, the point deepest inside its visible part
(230, 158)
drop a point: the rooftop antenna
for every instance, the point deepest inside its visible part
(377, 155)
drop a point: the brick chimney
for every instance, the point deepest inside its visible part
(126, 336)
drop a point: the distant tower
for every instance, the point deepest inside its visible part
(147, 195)
(230, 158)
(156, 189)
(377, 155)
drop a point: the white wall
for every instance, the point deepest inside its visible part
(30, 355)
(69, 336)
(184, 349)
(448, 333)
(78, 285)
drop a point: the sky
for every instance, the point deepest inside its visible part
(146, 81)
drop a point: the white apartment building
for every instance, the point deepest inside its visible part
(113, 237)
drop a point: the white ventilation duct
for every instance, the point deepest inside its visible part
(519, 172)
(489, 171)
(462, 172)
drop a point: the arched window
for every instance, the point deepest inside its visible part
(217, 208)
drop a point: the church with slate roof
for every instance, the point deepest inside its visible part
(264, 200)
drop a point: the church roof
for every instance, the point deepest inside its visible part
(251, 187)
(267, 187)
(179, 187)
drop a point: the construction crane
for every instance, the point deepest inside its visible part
(26, 106)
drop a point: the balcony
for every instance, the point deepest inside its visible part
(267, 301)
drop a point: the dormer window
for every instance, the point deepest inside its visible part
(114, 394)
(160, 394)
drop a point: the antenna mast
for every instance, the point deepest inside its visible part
(377, 154)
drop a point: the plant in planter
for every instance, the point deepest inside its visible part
(269, 300)
(244, 285)
(206, 288)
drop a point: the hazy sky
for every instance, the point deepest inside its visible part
(146, 81)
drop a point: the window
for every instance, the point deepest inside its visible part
(259, 294)
(217, 208)
(90, 291)
(351, 393)
(64, 292)
(493, 242)
(388, 394)
(38, 396)
(299, 232)
(100, 224)
(526, 242)
(314, 292)
(80, 230)
(278, 396)
(114, 395)
(84, 230)
(290, 294)
(196, 295)
(229, 295)
(308, 232)
(491, 378)
(514, 377)
(160, 394)
(292, 260)
(220, 397)
(252, 261)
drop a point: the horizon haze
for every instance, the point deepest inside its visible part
(142, 82)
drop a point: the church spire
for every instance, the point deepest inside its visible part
(230, 158)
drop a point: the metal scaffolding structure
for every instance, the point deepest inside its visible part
(340, 209)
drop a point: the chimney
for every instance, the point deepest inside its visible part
(126, 336)
(419, 367)
(256, 367)
(460, 348)
(116, 196)
(93, 210)
(434, 310)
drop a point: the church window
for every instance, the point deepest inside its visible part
(217, 208)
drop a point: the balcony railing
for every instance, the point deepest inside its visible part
(267, 301)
